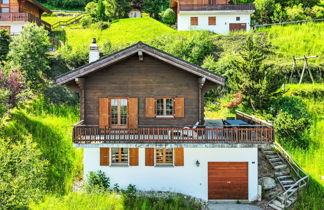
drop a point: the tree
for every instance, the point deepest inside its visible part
(168, 16)
(28, 52)
(257, 81)
(111, 9)
(22, 172)
(123, 8)
(279, 15)
(92, 9)
(155, 7)
(296, 13)
(264, 10)
(101, 15)
(4, 45)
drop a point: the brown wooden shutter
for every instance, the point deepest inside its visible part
(194, 21)
(149, 156)
(104, 156)
(150, 107)
(133, 156)
(179, 107)
(211, 20)
(132, 112)
(103, 112)
(178, 156)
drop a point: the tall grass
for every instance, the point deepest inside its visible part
(50, 127)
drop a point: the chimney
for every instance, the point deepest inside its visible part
(94, 53)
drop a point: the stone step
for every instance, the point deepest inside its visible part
(272, 156)
(274, 159)
(278, 203)
(284, 177)
(278, 163)
(282, 166)
(275, 207)
(282, 172)
(267, 152)
(289, 181)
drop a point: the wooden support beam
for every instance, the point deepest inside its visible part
(81, 83)
(140, 55)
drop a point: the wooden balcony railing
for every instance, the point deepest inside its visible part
(193, 7)
(256, 134)
(25, 17)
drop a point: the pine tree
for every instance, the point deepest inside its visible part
(101, 11)
(257, 81)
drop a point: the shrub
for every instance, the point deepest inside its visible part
(86, 21)
(130, 192)
(168, 16)
(4, 45)
(318, 12)
(91, 9)
(97, 181)
(102, 25)
(22, 173)
(296, 13)
(74, 57)
(60, 95)
(264, 10)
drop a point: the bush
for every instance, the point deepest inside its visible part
(168, 16)
(4, 45)
(86, 21)
(60, 95)
(296, 13)
(74, 57)
(318, 12)
(91, 9)
(22, 171)
(102, 25)
(97, 181)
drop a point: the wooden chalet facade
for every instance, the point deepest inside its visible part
(219, 16)
(142, 119)
(15, 13)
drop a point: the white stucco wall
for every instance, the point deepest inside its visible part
(15, 27)
(222, 20)
(188, 179)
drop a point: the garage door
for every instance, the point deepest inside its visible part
(237, 26)
(228, 180)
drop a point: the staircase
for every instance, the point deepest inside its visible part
(290, 176)
(68, 22)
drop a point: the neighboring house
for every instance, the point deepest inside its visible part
(142, 123)
(14, 14)
(218, 16)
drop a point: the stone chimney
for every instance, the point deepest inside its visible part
(94, 53)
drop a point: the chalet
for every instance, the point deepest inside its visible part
(142, 123)
(219, 16)
(14, 14)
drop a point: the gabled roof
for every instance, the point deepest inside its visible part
(40, 6)
(131, 50)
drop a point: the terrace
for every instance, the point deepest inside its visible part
(243, 130)
(24, 17)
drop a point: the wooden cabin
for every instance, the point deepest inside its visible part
(142, 122)
(15, 13)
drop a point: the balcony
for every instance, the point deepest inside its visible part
(206, 7)
(24, 17)
(253, 132)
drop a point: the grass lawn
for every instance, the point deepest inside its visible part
(298, 40)
(121, 32)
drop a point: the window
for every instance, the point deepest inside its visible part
(4, 10)
(118, 113)
(194, 21)
(119, 156)
(164, 107)
(5, 1)
(211, 20)
(164, 156)
(238, 18)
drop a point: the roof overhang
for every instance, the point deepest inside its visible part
(40, 6)
(135, 49)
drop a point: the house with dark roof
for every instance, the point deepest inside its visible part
(14, 14)
(142, 123)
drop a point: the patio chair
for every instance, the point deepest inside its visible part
(185, 133)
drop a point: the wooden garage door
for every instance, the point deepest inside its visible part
(228, 180)
(237, 26)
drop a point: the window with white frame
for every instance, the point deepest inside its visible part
(164, 156)
(164, 107)
(119, 156)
